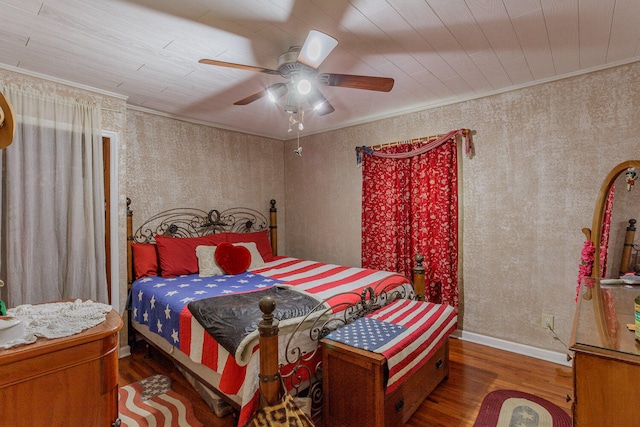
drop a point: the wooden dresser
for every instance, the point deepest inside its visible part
(606, 365)
(66, 381)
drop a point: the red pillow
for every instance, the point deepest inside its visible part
(178, 254)
(261, 239)
(145, 259)
(232, 259)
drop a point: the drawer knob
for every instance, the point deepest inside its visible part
(399, 405)
(439, 364)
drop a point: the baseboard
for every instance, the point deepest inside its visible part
(124, 351)
(526, 350)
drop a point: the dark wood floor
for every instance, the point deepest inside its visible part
(475, 370)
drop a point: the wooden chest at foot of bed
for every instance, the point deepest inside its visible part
(354, 386)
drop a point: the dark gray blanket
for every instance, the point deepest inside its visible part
(232, 318)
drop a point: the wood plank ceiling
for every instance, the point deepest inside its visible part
(438, 51)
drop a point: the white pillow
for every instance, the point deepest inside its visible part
(207, 265)
(256, 259)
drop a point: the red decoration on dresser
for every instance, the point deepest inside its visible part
(586, 265)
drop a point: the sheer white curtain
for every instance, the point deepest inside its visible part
(52, 201)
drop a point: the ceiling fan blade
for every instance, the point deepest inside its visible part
(276, 91)
(316, 48)
(249, 99)
(238, 66)
(381, 84)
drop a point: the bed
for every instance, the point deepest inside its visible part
(209, 319)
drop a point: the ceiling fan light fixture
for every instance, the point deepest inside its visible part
(292, 105)
(291, 109)
(299, 66)
(317, 100)
(276, 91)
(304, 86)
(316, 48)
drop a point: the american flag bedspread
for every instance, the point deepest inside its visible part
(162, 305)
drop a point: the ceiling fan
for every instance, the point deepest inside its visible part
(299, 65)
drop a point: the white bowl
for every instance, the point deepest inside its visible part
(11, 329)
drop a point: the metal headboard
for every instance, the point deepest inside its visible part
(191, 222)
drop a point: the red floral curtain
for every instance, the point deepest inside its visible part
(410, 206)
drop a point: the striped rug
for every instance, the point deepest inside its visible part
(152, 403)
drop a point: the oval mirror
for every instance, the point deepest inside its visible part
(617, 203)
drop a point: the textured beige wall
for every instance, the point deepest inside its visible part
(541, 154)
(173, 163)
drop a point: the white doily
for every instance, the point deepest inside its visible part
(56, 319)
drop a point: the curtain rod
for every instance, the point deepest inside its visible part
(465, 132)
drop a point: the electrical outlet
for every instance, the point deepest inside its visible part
(547, 321)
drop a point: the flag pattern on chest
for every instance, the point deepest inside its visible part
(367, 334)
(405, 332)
(158, 301)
